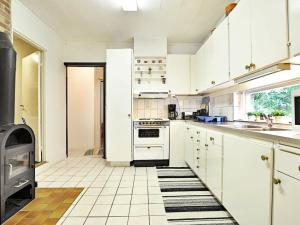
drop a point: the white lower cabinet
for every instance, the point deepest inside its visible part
(189, 145)
(286, 198)
(214, 163)
(286, 186)
(247, 179)
(177, 142)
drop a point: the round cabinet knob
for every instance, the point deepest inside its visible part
(264, 158)
(198, 149)
(211, 138)
(197, 157)
(198, 141)
(276, 181)
(191, 137)
(206, 145)
(198, 167)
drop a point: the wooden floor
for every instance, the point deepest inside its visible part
(47, 208)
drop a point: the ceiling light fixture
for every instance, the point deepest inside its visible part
(129, 5)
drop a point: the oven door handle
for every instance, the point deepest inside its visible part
(21, 183)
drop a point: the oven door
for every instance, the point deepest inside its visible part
(149, 135)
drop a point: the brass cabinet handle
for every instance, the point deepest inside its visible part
(198, 132)
(211, 138)
(299, 168)
(276, 181)
(213, 82)
(187, 128)
(129, 115)
(206, 145)
(247, 67)
(198, 149)
(252, 66)
(264, 158)
(198, 141)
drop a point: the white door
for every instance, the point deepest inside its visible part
(178, 73)
(268, 32)
(220, 59)
(286, 198)
(119, 105)
(31, 98)
(294, 24)
(240, 38)
(247, 179)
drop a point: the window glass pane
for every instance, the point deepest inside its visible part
(276, 102)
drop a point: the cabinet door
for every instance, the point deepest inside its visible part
(220, 58)
(269, 32)
(294, 24)
(189, 145)
(240, 39)
(286, 198)
(247, 179)
(178, 73)
(177, 143)
(194, 75)
(118, 131)
(214, 170)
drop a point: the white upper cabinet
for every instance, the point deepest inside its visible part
(220, 54)
(294, 23)
(240, 39)
(257, 35)
(194, 75)
(178, 73)
(269, 32)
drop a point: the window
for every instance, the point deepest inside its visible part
(275, 102)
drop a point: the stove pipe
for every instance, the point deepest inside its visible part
(7, 80)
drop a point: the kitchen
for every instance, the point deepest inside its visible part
(207, 131)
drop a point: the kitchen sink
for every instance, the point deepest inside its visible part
(247, 126)
(256, 128)
(265, 129)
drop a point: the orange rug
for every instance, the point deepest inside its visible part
(47, 208)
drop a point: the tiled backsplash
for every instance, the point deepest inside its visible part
(143, 108)
(223, 105)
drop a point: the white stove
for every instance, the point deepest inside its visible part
(151, 141)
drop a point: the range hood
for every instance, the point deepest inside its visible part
(151, 95)
(263, 72)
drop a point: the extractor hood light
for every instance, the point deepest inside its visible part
(130, 5)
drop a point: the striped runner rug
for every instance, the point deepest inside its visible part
(188, 201)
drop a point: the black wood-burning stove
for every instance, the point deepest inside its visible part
(17, 143)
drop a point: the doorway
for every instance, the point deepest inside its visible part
(29, 91)
(85, 109)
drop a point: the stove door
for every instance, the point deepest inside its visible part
(16, 164)
(149, 135)
(148, 152)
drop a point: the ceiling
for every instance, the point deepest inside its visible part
(181, 21)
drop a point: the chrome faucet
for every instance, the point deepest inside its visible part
(268, 119)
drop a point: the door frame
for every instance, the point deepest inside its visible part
(41, 92)
(86, 64)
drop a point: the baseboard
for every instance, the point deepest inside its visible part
(117, 164)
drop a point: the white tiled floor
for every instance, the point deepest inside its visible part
(112, 195)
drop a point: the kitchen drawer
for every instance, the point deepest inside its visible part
(148, 153)
(214, 138)
(288, 163)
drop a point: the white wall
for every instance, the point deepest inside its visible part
(81, 86)
(26, 24)
(90, 51)
(76, 51)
